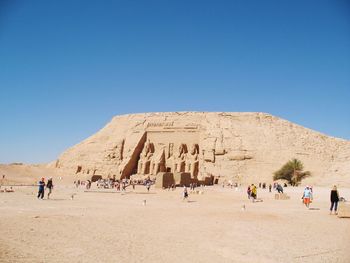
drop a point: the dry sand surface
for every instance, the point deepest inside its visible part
(211, 227)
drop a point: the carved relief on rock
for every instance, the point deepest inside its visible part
(209, 144)
(115, 153)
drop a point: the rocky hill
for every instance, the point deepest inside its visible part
(241, 147)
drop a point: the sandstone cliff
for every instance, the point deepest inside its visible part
(242, 147)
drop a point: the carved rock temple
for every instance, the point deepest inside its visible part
(202, 146)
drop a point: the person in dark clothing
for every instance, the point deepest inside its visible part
(279, 188)
(334, 200)
(270, 186)
(49, 186)
(41, 188)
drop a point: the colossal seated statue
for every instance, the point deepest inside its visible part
(143, 166)
(192, 161)
(180, 159)
(158, 162)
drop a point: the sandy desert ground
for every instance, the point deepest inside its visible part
(211, 227)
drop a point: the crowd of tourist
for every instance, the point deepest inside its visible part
(121, 185)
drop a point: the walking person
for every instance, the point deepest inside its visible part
(185, 193)
(41, 188)
(49, 186)
(307, 196)
(334, 200)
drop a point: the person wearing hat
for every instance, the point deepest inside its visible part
(49, 186)
(334, 200)
(41, 188)
(307, 196)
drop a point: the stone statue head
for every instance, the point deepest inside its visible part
(194, 149)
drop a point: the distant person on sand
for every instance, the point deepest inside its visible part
(249, 191)
(88, 184)
(270, 187)
(185, 193)
(49, 186)
(41, 188)
(307, 196)
(279, 188)
(254, 192)
(334, 200)
(148, 186)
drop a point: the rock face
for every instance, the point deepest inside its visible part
(241, 147)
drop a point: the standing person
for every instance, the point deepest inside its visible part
(279, 188)
(270, 187)
(249, 192)
(88, 184)
(254, 192)
(307, 196)
(49, 186)
(334, 200)
(185, 193)
(148, 186)
(41, 188)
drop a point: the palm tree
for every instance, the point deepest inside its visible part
(292, 171)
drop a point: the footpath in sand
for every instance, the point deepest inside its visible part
(212, 227)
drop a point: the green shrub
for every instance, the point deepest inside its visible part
(292, 171)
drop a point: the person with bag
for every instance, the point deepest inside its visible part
(307, 196)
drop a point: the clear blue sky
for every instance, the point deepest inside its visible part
(67, 67)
